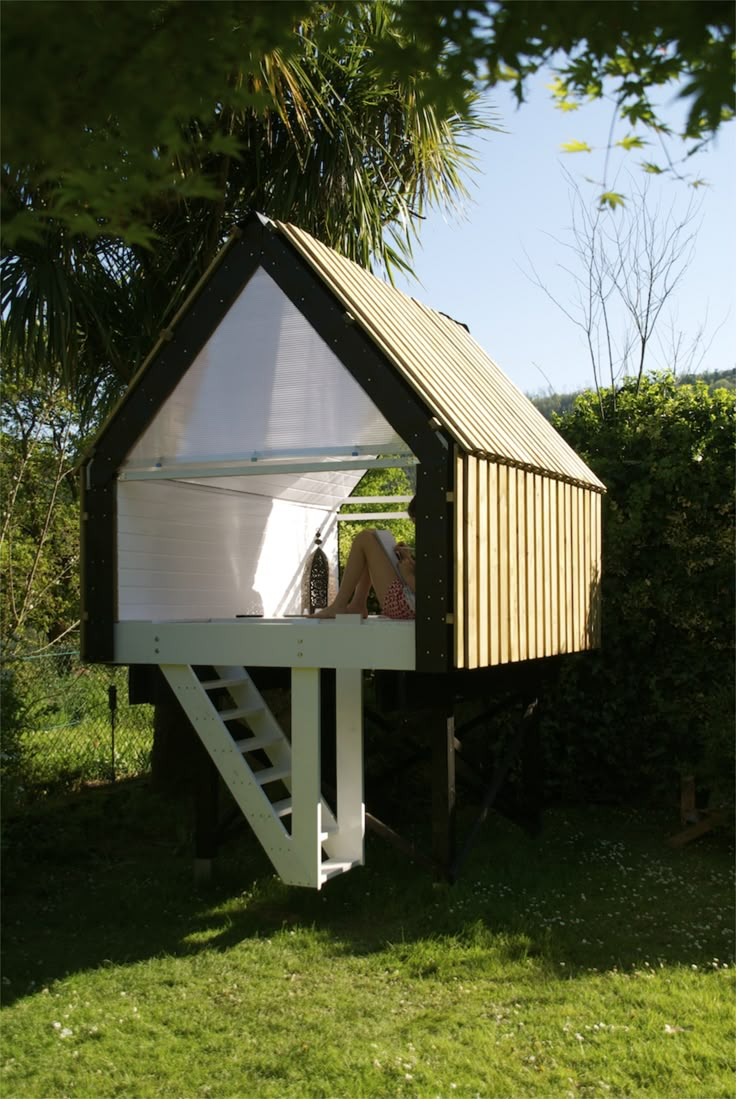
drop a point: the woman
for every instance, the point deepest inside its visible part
(369, 567)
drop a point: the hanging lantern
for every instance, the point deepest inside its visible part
(318, 577)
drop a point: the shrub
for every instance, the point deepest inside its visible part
(658, 699)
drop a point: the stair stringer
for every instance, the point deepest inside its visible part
(237, 775)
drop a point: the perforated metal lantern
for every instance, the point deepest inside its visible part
(318, 577)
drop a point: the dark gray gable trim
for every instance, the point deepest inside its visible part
(98, 552)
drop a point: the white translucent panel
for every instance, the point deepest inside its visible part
(325, 490)
(188, 551)
(264, 383)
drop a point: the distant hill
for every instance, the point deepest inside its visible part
(715, 379)
(563, 402)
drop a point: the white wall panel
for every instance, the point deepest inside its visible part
(188, 552)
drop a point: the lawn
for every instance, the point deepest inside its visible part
(594, 961)
(65, 725)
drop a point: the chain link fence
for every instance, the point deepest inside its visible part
(66, 724)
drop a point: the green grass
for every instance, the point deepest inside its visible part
(595, 961)
(59, 733)
(81, 751)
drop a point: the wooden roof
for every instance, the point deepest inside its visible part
(469, 394)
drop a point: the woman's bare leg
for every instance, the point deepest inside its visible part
(367, 557)
(359, 602)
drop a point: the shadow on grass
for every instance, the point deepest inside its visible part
(105, 878)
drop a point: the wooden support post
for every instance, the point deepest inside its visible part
(443, 789)
(713, 819)
(327, 705)
(349, 766)
(206, 834)
(306, 792)
(688, 805)
(532, 769)
(529, 720)
(378, 827)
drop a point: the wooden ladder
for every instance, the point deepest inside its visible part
(307, 843)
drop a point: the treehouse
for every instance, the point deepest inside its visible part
(287, 374)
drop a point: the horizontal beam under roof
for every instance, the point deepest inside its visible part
(248, 468)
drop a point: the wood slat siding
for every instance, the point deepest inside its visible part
(460, 577)
(546, 559)
(527, 573)
(584, 569)
(523, 563)
(483, 564)
(557, 565)
(570, 568)
(471, 564)
(595, 571)
(560, 571)
(513, 567)
(541, 602)
(575, 566)
(494, 625)
(532, 609)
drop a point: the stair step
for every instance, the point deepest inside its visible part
(271, 774)
(282, 808)
(251, 743)
(241, 711)
(232, 681)
(330, 868)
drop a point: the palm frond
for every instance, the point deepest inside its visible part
(322, 140)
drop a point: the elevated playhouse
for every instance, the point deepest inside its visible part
(288, 373)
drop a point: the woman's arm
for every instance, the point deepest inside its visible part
(407, 566)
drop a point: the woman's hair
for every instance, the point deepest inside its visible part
(411, 509)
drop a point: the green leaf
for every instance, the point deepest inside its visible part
(558, 87)
(631, 142)
(612, 199)
(560, 94)
(506, 73)
(653, 169)
(226, 145)
(576, 147)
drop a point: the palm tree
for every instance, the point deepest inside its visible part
(346, 154)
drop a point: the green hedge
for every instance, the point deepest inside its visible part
(658, 700)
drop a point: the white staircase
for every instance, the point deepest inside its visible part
(307, 843)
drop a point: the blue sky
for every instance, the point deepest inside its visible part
(478, 267)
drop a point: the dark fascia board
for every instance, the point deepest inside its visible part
(260, 245)
(98, 527)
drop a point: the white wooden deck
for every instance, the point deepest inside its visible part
(342, 642)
